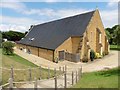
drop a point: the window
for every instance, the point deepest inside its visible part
(87, 43)
(31, 39)
(100, 37)
(91, 37)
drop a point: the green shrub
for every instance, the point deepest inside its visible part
(8, 47)
(92, 55)
(97, 55)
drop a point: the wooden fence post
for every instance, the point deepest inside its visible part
(81, 72)
(40, 72)
(48, 72)
(65, 80)
(10, 81)
(60, 68)
(76, 76)
(55, 72)
(72, 77)
(55, 78)
(12, 73)
(35, 84)
(63, 69)
(30, 76)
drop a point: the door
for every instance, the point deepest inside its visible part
(61, 55)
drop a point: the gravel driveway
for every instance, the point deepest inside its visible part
(107, 62)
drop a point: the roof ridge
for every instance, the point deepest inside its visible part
(65, 18)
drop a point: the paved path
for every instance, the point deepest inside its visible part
(109, 61)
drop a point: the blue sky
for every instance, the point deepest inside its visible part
(19, 16)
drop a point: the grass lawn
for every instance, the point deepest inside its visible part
(101, 79)
(16, 61)
(21, 63)
(115, 47)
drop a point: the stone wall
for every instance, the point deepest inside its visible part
(44, 53)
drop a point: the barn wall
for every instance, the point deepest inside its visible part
(70, 45)
(84, 54)
(92, 35)
(20, 46)
(44, 53)
(95, 24)
(75, 44)
(33, 50)
(47, 54)
(66, 46)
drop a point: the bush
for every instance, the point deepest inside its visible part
(8, 47)
(92, 55)
(97, 55)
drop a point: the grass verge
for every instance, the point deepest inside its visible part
(115, 47)
(100, 79)
(22, 75)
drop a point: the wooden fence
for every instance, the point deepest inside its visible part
(69, 56)
(75, 77)
(29, 74)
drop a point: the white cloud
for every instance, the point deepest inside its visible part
(7, 27)
(109, 17)
(42, 12)
(17, 6)
(70, 12)
(113, 4)
(17, 24)
(50, 0)
(56, 13)
(18, 20)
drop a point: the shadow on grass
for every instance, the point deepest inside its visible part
(107, 73)
(12, 54)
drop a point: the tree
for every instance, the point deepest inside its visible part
(113, 34)
(116, 38)
(0, 39)
(13, 35)
(109, 36)
(8, 47)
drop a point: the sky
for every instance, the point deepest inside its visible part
(19, 16)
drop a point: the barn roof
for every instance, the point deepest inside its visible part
(52, 34)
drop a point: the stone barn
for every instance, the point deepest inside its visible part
(69, 38)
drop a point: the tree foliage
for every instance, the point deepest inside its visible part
(113, 35)
(13, 35)
(0, 39)
(8, 47)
